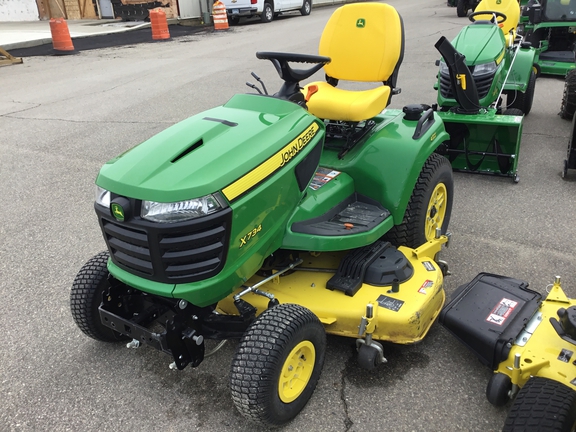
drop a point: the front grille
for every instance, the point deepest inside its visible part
(483, 84)
(181, 252)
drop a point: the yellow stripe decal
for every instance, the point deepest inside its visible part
(273, 164)
(500, 57)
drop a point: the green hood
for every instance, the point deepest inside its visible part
(206, 152)
(481, 43)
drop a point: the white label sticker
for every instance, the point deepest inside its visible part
(502, 311)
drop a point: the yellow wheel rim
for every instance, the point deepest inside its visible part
(296, 371)
(436, 211)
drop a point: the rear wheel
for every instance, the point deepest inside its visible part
(267, 13)
(277, 364)
(537, 69)
(429, 207)
(568, 106)
(542, 404)
(86, 295)
(462, 8)
(306, 7)
(523, 101)
(234, 20)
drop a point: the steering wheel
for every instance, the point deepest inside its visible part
(287, 73)
(497, 14)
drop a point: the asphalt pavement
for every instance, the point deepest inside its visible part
(63, 117)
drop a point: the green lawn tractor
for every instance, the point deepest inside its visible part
(551, 29)
(275, 219)
(528, 342)
(486, 61)
(463, 6)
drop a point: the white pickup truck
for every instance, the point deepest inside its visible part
(267, 10)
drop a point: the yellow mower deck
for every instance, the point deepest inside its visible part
(401, 317)
(542, 351)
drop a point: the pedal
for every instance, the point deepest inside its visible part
(352, 268)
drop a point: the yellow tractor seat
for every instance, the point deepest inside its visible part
(510, 8)
(365, 42)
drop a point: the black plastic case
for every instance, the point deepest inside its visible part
(488, 313)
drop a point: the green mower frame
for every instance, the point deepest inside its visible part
(268, 221)
(550, 26)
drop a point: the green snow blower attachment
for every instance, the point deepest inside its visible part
(485, 66)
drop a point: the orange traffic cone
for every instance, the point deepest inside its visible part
(159, 24)
(219, 16)
(61, 40)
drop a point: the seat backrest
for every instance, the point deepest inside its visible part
(365, 42)
(510, 8)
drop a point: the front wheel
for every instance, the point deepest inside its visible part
(462, 8)
(542, 404)
(277, 364)
(430, 205)
(523, 101)
(267, 13)
(306, 7)
(86, 295)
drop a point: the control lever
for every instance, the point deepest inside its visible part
(257, 78)
(252, 86)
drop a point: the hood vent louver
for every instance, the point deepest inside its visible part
(188, 150)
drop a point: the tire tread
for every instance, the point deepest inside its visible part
(542, 405)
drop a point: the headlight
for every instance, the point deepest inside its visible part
(484, 69)
(444, 68)
(102, 197)
(179, 211)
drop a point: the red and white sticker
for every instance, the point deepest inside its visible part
(322, 176)
(502, 311)
(425, 285)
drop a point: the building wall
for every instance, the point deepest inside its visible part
(18, 10)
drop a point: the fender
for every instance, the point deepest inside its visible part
(521, 69)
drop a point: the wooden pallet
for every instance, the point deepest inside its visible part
(6, 58)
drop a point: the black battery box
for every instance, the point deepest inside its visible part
(488, 314)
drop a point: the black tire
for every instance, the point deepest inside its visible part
(542, 405)
(267, 13)
(234, 20)
(367, 357)
(280, 336)
(513, 112)
(415, 228)
(523, 101)
(568, 106)
(498, 388)
(462, 8)
(306, 7)
(85, 298)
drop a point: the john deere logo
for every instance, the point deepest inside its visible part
(360, 23)
(117, 211)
